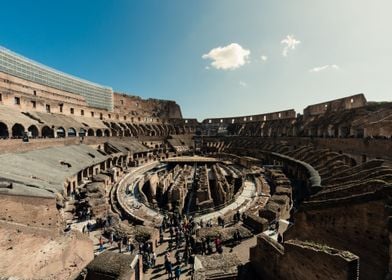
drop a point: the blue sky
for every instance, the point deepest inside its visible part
(215, 58)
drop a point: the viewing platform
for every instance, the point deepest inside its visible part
(190, 159)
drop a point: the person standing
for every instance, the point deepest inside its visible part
(280, 238)
(153, 258)
(169, 268)
(89, 228)
(203, 246)
(177, 272)
(111, 238)
(218, 245)
(119, 243)
(100, 243)
(130, 246)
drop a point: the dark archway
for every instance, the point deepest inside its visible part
(47, 132)
(90, 132)
(133, 130)
(60, 132)
(82, 132)
(4, 130)
(127, 133)
(114, 132)
(107, 133)
(99, 133)
(71, 132)
(18, 130)
(33, 131)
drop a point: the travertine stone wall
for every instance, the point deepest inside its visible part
(135, 107)
(357, 224)
(28, 96)
(348, 102)
(296, 260)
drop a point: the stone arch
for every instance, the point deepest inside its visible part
(90, 132)
(18, 130)
(137, 128)
(114, 132)
(82, 132)
(107, 132)
(150, 130)
(161, 130)
(3, 130)
(69, 189)
(99, 133)
(60, 132)
(133, 129)
(143, 130)
(116, 129)
(127, 132)
(156, 129)
(47, 132)
(108, 163)
(71, 132)
(33, 130)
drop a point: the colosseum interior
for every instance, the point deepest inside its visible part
(96, 184)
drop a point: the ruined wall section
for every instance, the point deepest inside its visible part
(347, 117)
(301, 260)
(136, 107)
(279, 205)
(349, 102)
(203, 194)
(363, 229)
(285, 114)
(29, 210)
(221, 191)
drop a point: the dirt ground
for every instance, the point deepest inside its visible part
(33, 253)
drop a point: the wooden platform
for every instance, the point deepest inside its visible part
(190, 159)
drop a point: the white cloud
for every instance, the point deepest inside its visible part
(207, 67)
(290, 43)
(263, 58)
(229, 57)
(324, 67)
(319, 68)
(243, 84)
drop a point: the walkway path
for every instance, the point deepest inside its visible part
(241, 203)
(159, 272)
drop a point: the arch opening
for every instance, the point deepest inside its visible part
(82, 132)
(60, 132)
(18, 130)
(71, 132)
(47, 132)
(33, 131)
(3, 130)
(90, 132)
